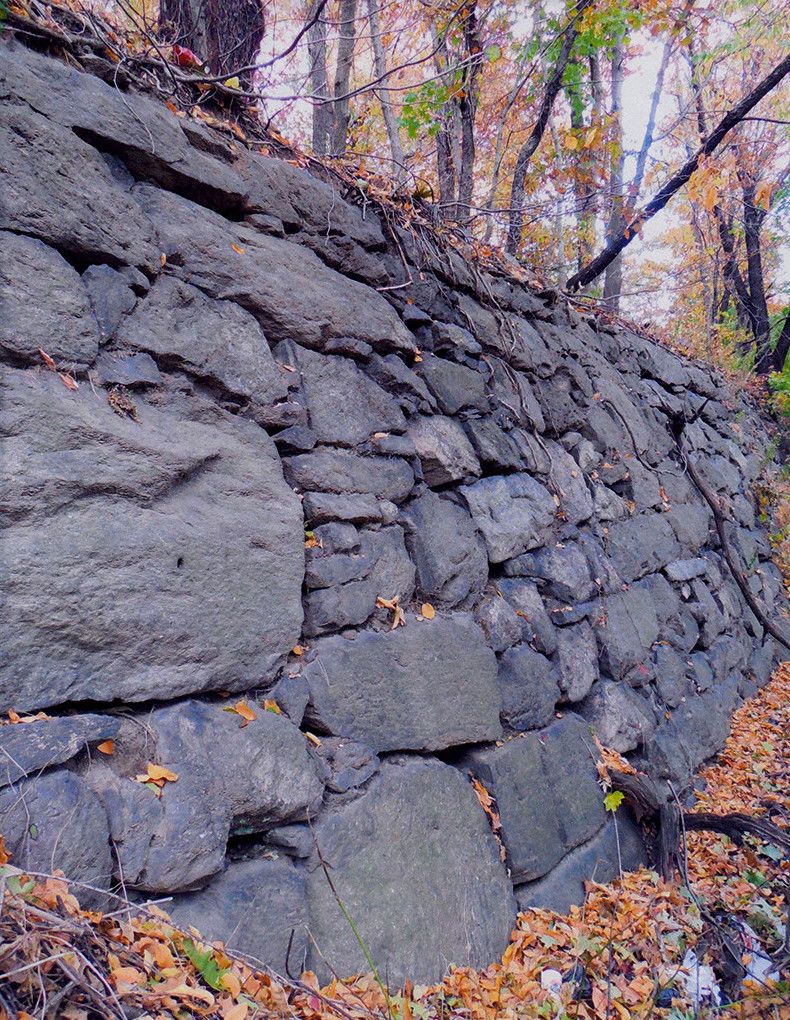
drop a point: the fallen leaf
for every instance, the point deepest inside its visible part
(297, 650)
(49, 362)
(243, 709)
(106, 747)
(237, 249)
(231, 983)
(68, 381)
(156, 776)
(427, 610)
(271, 706)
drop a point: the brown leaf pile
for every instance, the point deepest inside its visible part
(623, 948)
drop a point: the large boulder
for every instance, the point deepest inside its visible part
(513, 513)
(546, 789)
(416, 867)
(60, 189)
(215, 341)
(449, 554)
(256, 907)
(141, 559)
(236, 263)
(343, 405)
(422, 687)
(55, 822)
(617, 848)
(233, 776)
(44, 305)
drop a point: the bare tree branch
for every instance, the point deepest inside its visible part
(594, 268)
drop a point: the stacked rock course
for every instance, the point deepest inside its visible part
(260, 362)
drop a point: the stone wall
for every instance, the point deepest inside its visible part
(270, 433)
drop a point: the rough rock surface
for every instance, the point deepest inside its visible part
(241, 483)
(416, 831)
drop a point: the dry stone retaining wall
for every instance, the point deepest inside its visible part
(250, 366)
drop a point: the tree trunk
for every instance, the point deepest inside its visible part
(553, 86)
(641, 160)
(782, 348)
(226, 33)
(345, 60)
(467, 108)
(613, 282)
(445, 158)
(583, 186)
(183, 22)
(753, 218)
(319, 82)
(390, 120)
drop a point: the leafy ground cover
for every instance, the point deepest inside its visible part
(618, 956)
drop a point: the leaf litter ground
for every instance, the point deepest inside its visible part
(621, 952)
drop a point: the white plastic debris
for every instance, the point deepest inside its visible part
(698, 981)
(551, 982)
(759, 965)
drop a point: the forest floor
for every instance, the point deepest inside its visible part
(632, 950)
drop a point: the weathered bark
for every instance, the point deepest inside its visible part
(319, 81)
(390, 120)
(184, 24)
(340, 109)
(753, 218)
(599, 264)
(551, 91)
(445, 159)
(583, 184)
(227, 33)
(782, 348)
(613, 282)
(467, 109)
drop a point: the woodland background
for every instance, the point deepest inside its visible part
(546, 128)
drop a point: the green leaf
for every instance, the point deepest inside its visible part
(493, 53)
(33, 830)
(613, 800)
(205, 962)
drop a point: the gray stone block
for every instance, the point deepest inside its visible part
(422, 687)
(394, 855)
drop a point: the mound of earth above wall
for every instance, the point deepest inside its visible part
(259, 449)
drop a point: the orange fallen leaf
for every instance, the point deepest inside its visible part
(231, 983)
(297, 650)
(156, 775)
(49, 362)
(68, 381)
(106, 747)
(237, 249)
(271, 706)
(243, 709)
(428, 611)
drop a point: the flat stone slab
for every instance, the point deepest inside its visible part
(422, 687)
(546, 791)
